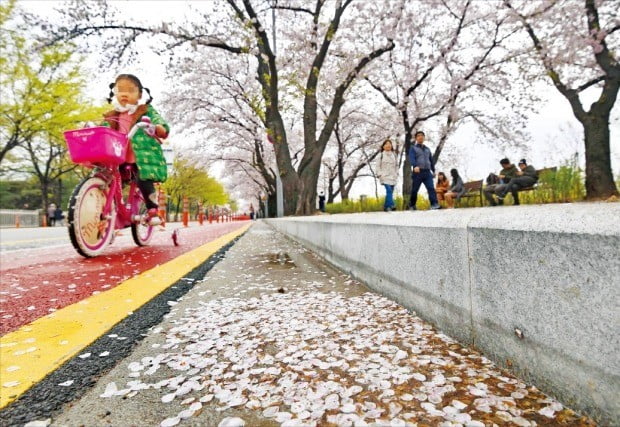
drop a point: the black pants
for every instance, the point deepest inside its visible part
(515, 184)
(129, 171)
(425, 177)
(498, 189)
(147, 188)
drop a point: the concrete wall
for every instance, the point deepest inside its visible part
(551, 271)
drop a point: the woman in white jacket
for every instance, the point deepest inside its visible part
(387, 172)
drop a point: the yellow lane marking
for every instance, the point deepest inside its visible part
(30, 353)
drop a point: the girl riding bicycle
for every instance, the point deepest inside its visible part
(145, 151)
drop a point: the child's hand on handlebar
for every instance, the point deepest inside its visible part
(153, 130)
(145, 123)
(150, 129)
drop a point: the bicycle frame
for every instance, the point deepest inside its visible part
(125, 209)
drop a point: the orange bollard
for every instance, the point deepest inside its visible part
(185, 211)
(200, 214)
(17, 224)
(210, 216)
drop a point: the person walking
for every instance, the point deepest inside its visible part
(423, 171)
(457, 189)
(387, 172)
(51, 215)
(322, 201)
(508, 172)
(526, 177)
(59, 216)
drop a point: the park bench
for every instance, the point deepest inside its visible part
(473, 189)
(537, 184)
(539, 173)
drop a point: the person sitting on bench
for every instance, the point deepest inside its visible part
(508, 172)
(526, 177)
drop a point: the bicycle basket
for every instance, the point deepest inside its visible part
(96, 145)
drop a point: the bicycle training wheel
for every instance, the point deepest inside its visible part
(90, 233)
(141, 231)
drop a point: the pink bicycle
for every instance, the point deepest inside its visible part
(97, 207)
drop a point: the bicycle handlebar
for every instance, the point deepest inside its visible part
(144, 123)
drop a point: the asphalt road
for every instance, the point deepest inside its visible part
(13, 239)
(41, 271)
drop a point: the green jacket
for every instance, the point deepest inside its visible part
(149, 155)
(509, 173)
(531, 172)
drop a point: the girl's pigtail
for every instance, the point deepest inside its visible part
(148, 101)
(111, 93)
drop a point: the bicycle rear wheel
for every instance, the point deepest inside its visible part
(141, 231)
(89, 231)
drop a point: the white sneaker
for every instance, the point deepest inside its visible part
(153, 221)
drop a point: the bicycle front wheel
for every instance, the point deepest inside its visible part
(141, 231)
(89, 230)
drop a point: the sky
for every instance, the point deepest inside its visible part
(555, 133)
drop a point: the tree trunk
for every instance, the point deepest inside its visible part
(59, 195)
(330, 191)
(10, 144)
(309, 179)
(290, 188)
(288, 175)
(599, 177)
(44, 199)
(345, 194)
(272, 205)
(406, 165)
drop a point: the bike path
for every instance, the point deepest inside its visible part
(30, 353)
(37, 282)
(272, 335)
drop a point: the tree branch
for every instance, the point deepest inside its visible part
(81, 31)
(590, 83)
(382, 92)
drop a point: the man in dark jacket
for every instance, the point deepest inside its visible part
(526, 177)
(508, 172)
(423, 171)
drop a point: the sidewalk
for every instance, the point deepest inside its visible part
(274, 336)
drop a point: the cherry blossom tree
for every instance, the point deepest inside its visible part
(355, 143)
(575, 45)
(227, 125)
(325, 51)
(449, 65)
(329, 51)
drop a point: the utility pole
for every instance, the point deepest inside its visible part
(279, 191)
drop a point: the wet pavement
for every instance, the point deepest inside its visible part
(40, 280)
(274, 336)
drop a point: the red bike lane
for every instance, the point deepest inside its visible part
(39, 281)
